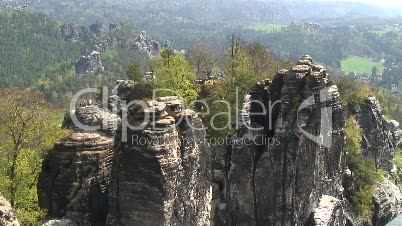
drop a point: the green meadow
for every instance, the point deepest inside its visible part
(360, 65)
(268, 28)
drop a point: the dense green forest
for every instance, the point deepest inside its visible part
(33, 54)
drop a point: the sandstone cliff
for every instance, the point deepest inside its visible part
(89, 65)
(7, 216)
(283, 181)
(75, 178)
(380, 136)
(160, 176)
(281, 167)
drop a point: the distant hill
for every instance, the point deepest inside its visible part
(141, 11)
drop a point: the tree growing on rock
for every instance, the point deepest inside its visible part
(134, 72)
(173, 72)
(29, 128)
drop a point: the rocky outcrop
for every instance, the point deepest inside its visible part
(283, 166)
(62, 222)
(328, 213)
(387, 202)
(92, 116)
(70, 32)
(97, 29)
(161, 176)
(89, 65)
(146, 43)
(380, 137)
(274, 174)
(7, 216)
(75, 178)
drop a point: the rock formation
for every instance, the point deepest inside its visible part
(161, 176)
(70, 32)
(387, 202)
(274, 174)
(93, 116)
(97, 179)
(329, 212)
(380, 136)
(146, 43)
(89, 65)
(75, 178)
(7, 216)
(284, 166)
(97, 29)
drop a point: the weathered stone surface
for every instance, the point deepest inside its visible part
(387, 203)
(147, 44)
(89, 65)
(329, 212)
(380, 137)
(75, 178)
(62, 222)
(93, 118)
(7, 216)
(280, 176)
(164, 180)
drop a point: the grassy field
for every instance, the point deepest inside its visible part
(360, 65)
(268, 28)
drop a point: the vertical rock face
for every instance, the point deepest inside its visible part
(380, 137)
(7, 216)
(380, 141)
(161, 176)
(75, 178)
(387, 202)
(89, 65)
(147, 44)
(274, 174)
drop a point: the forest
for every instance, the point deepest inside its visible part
(38, 76)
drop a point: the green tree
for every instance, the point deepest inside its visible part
(28, 129)
(260, 58)
(374, 73)
(172, 71)
(134, 72)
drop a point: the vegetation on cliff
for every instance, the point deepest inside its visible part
(29, 128)
(174, 73)
(360, 185)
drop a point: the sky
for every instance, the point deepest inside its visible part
(378, 2)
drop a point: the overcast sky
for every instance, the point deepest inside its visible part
(377, 2)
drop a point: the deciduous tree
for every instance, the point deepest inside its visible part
(28, 128)
(172, 71)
